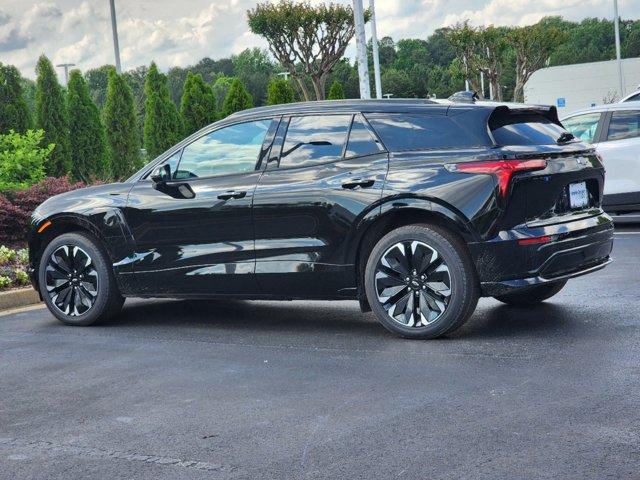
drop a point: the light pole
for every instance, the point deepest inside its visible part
(376, 54)
(616, 24)
(361, 46)
(114, 28)
(66, 70)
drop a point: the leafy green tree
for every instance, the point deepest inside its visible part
(176, 76)
(22, 159)
(212, 69)
(97, 79)
(14, 112)
(280, 91)
(481, 50)
(52, 117)
(336, 92)
(86, 133)
(254, 68)
(307, 40)
(237, 99)
(135, 79)
(119, 118)
(397, 83)
(221, 87)
(347, 74)
(532, 45)
(198, 105)
(162, 126)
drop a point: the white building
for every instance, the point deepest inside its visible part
(572, 87)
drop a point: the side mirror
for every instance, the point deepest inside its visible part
(161, 175)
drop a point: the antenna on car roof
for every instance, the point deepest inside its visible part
(465, 96)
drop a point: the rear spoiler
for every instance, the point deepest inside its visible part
(502, 114)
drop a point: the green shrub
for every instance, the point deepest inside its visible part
(7, 255)
(280, 91)
(237, 99)
(23, 256)
(336, 92)
(22, 159)
(5, 281)
(21, 277)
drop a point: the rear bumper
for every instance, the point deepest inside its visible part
(578, 247)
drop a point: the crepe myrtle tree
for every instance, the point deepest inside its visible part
(479, 50)
(308, 40)
(533, 46)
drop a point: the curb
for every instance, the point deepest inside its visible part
(17, 298)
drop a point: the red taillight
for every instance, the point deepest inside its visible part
(502, 169)
(535, 240)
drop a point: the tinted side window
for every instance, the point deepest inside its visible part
(624, 124)
(583, 126)
(420, 132)
(314, 139)
(361, 141)
(232, 149)
(526, 129)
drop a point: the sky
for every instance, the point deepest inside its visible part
(181, 32)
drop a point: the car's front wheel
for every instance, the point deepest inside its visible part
(76, 280)
(420, 282)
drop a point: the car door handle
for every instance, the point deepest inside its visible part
(358, 182)
(232, 194)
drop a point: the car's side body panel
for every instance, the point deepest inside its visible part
(298, 232)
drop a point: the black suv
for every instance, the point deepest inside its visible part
(415, 208)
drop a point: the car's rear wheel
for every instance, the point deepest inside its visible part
(76, 280)
(532, 295)
(420, 282)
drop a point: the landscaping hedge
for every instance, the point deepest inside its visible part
(16, 207)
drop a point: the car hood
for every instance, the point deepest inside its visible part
(83, 199)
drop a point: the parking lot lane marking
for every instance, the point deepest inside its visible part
(28, 308)
(92, 452)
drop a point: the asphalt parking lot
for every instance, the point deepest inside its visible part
(176, 389)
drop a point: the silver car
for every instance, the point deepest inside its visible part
(614, 130)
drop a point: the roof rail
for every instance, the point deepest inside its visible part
(465, 96)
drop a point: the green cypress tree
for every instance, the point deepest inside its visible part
(237, 99)
(336, 92)
(162, 126)
(198, 104)
(14, 112)
(280, 91)
(52, 117)
(86, 133)
(121, 130)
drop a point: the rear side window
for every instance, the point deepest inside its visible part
(583, 126)
(624, 124)
(525, 129)
(314, 139)
(400, 131)
(361, 140)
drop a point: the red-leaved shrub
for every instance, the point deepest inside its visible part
(16, 207)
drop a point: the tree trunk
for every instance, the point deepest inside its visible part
(497, 89)
(518, 91)
(318, 86)
(303, 87)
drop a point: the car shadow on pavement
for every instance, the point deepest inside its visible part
(489, 321)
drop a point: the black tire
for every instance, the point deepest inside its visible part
(105, 299)
(532, 295)
(463, 286)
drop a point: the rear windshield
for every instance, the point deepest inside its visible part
(401, 131)
(525, 129)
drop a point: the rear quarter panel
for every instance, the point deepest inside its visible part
(421, 175)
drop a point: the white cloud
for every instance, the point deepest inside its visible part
(182, 32)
